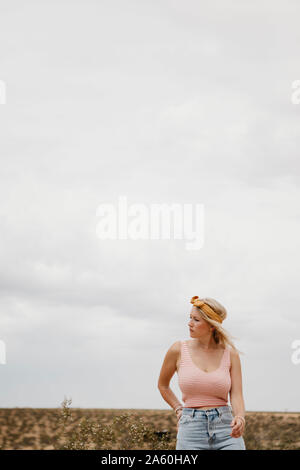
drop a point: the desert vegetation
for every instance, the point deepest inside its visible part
(69, 428)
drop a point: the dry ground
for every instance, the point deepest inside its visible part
(36, 428)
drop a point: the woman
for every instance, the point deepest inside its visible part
(208, 368)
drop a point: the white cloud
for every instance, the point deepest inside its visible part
(165, 103)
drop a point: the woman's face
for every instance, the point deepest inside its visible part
(197, 325)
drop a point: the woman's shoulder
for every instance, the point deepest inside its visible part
(234, 354)
(176, 346)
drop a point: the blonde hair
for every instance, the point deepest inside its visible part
(220, 335)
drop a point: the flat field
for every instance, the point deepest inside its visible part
(38, 428)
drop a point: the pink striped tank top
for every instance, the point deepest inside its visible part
(201, 388)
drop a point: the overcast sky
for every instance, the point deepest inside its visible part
(164, 102)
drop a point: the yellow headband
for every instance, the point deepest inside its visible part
(206, 308)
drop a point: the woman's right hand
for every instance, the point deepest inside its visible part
(179, 413)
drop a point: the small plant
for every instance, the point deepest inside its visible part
(127, 431)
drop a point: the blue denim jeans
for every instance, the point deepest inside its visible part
(207, 430)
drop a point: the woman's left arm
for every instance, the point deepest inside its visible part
(236, 394)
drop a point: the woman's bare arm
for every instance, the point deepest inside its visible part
(167, 371)
(236, 391)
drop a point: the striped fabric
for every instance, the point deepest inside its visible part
(201, 388)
